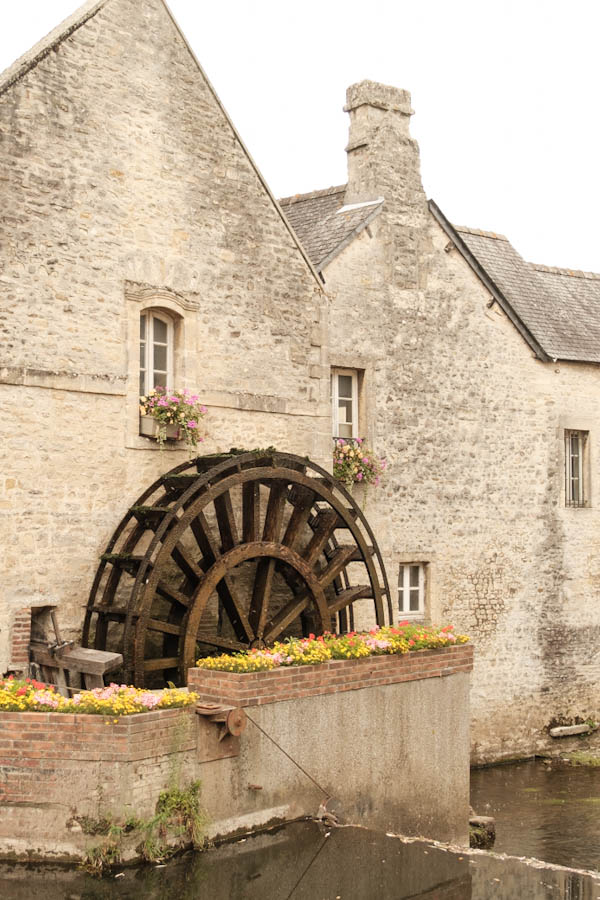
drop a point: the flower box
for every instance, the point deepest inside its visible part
(149, 428)
(333, 676)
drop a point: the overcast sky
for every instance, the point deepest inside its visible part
(505, 95)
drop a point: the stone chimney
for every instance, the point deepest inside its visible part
(383, 159)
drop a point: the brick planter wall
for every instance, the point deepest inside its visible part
(386, 739)
(55, 767)
(336, 676)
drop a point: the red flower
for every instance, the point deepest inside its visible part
(311, 637)
(21, 691)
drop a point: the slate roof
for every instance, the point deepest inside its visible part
(560, 307)
(324, 225)
(556, 310)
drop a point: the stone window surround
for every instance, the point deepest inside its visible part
(364, 366)
(181, 309)
(429, 613)
(404, 585)
(570, 424)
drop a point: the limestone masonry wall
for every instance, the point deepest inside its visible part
(472, 426)
(123, 187)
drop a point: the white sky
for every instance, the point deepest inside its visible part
(505, 93)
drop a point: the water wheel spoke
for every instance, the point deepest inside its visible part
(226, 522)
(223, 643)
(188, 566)
(302, 499)
(250, 511)
(165, 662)
(275, 508)
(164, 627)
(261, 595)
(285, 617)
(235, 610)
(323, 532)
(169, 593)
(204, 538)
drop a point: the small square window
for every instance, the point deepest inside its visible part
(576, 464)
(411, 589)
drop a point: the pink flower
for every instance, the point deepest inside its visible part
(359, 440)
(365, 460)
(341, 442)
(163, 402)
(203, 409)
(174, 399)
(359, 476)
(192, 424)
(376, 482)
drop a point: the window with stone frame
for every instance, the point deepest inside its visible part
(412, 584)
(156, 350)
(344, 403)
(577, 488)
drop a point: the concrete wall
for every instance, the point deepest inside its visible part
(392, 756)
(123, 186)
(472, 426)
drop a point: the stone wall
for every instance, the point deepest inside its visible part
(386, 740)
(472, 427)
(123, 187)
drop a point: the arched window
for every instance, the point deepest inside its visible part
(156, 351)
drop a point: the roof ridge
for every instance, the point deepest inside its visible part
(481, 233)
(557, 270)
(312, 195)
(39, 51)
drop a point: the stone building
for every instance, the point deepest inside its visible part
(476, 374)
(125, 192)
(128, 199)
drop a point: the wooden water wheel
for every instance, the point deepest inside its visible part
(228, 552)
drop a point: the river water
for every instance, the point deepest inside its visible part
(546, 810)
(305, 861)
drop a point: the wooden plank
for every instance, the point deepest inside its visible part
(77, 659)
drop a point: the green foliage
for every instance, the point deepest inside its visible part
(178, 821)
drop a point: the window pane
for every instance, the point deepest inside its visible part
(160, 358)
(345, 385)
(414, 601)
(142, 355)
(142, 384)
(143, 328)
(345, 411)
(414, 576)
(159, 379)
(160, 331)
(344, 431)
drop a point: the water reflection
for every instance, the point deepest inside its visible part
(548, 812)
(305, 862)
